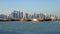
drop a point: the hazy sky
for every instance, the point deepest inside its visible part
(30, 6)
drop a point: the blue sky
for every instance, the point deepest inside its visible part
(30, 6)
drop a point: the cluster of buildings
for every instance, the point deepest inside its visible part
(18, 14)
(21, 16)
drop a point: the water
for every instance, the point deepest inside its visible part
(17, 27)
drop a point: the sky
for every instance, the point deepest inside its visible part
(30, 6)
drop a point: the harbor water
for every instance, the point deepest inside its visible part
(17, 27)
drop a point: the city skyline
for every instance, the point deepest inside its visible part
(19, 14)
(30, 6)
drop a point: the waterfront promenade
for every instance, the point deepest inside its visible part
(31, 19)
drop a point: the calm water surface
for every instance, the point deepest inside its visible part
(17, 27)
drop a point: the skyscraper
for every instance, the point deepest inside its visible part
(26, 16)
(34, 15)
(15, 14)
(21, 15)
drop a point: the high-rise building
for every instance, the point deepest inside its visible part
(26, 16)
(34, 15)
(15, 14)
(41, 15)
(37, 15)
(21, 15)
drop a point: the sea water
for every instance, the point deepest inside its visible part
(17, 27)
